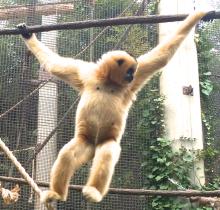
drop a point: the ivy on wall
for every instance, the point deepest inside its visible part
(162, 167)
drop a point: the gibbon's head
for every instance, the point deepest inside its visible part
(118, 66)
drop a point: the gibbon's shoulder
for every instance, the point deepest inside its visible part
(86, 69)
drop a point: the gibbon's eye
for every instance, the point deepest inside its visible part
(129, 75)
(120, 61)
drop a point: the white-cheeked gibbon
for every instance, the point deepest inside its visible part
(107, 89)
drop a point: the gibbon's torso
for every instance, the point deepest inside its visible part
(102, 112)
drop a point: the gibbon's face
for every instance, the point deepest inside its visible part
(120, 66)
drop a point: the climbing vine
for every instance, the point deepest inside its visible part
(162, 167)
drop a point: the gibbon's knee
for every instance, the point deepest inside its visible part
(76, 152)
(70, 158)
(106, 157)
(109, 151)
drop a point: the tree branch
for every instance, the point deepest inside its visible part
(22, 11)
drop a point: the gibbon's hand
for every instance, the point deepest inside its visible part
(23, 28)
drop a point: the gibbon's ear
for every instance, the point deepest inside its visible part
(120, 61)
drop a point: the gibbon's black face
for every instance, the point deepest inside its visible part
(121, 67)
(130, 74)
(126, 68)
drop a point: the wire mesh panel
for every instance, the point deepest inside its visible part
(209, 62)
(29, 123)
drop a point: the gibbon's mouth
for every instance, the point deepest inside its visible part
(129, 77)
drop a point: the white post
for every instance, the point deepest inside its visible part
(47, 114)
(182, 112)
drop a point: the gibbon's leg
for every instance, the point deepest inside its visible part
(106, 157)
(70, 158)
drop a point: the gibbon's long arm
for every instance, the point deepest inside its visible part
(70, 70)
(157, 58)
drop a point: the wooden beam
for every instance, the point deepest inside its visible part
(125, 191)
(24, 11)
(151, 19)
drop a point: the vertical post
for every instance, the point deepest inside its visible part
(47, 114)
(91, 53)
(182, 112)
(91, 30)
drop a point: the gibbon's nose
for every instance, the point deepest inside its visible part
(129, 77)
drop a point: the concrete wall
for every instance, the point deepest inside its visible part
(183, 112)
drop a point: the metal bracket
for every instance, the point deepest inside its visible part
(188, 90)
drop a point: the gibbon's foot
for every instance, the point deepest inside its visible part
(23, 28)
(49, 196)
(92, 194)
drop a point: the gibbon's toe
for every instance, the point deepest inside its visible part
(49, 196)
(92, 194)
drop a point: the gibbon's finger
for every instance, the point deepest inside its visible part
(23, 28)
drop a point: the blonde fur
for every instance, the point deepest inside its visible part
(106, 97)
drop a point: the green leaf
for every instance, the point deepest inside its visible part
(161, 160)
(146, 113)
(163, 187)
(208, 73)
(144, 164)
(188, 158)
(158, 178)
(150, 176)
